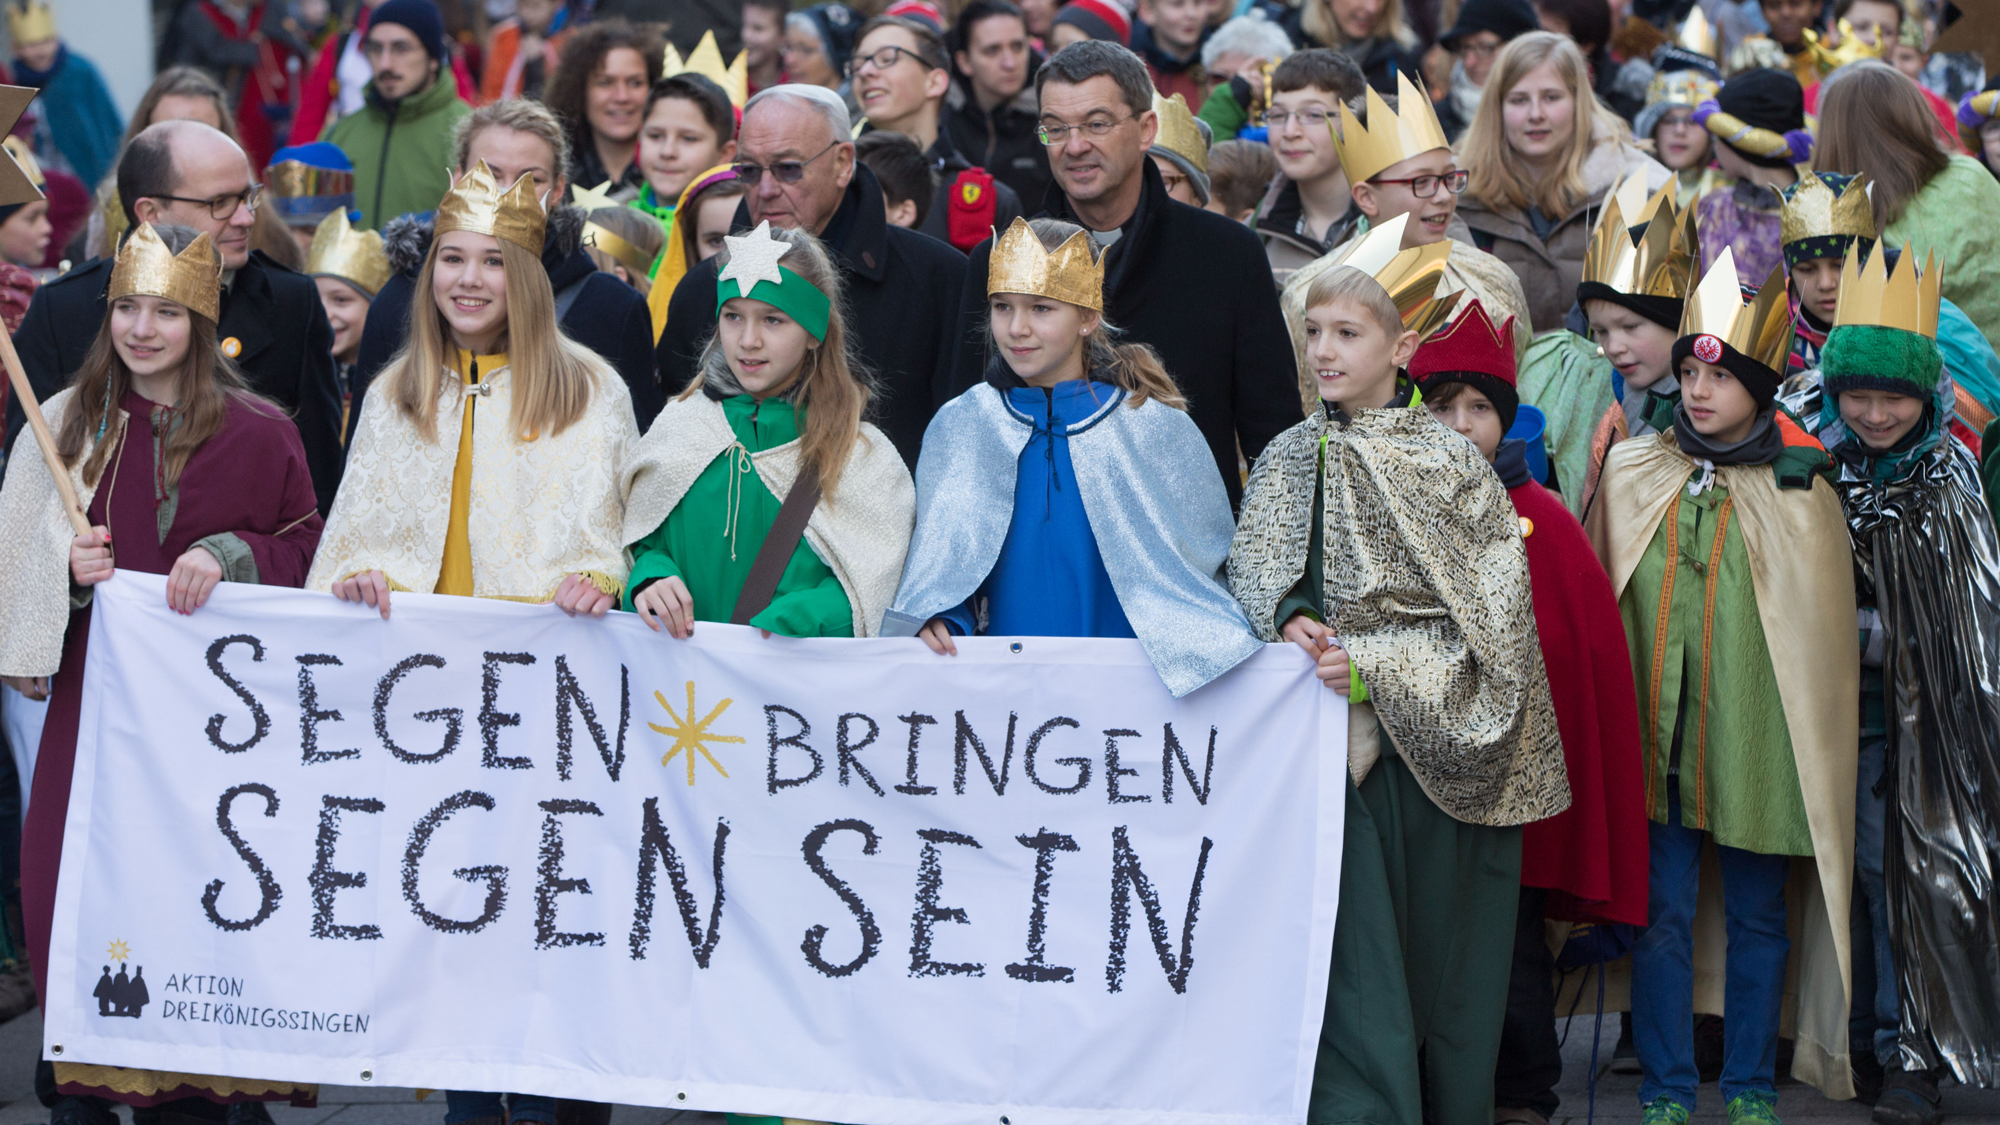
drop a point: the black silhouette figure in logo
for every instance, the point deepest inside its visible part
(122, 995)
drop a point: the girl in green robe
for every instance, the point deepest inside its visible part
(777, 412)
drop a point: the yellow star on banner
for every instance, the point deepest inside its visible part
(119, 951)
(690, 735)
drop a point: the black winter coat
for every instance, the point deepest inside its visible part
(1380, 58)
(1003, 142)
(1196, 287)
(606, 315)
(274, 315)
(901, 292)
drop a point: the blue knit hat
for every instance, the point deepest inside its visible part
(423, 20)
(306, 183)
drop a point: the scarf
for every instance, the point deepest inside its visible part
(1887, 465)
(1463, 94)
(1807, 341)
(1760, 447)
(28, 76)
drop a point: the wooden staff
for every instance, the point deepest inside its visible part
(33, 409)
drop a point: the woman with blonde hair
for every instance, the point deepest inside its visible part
(760, 497)
(1543, 153)
(1374, 33)
(490, 413)
(1874, 120)
(1068, 495)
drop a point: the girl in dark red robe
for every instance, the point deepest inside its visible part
(193, 476)
(1587, 863)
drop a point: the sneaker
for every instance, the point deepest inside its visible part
(1908, 1098)
(1664, 1111)
(1753, 1107)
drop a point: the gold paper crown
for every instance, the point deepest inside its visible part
(476, 203)
(32, 22)
(1698, 35)
(1411, 276)
(1871, 294)
(1390, 135)
(1687, 87)
(1661, 262)
(1072, 272)
(1814, 211)
(707, 62)
(146, 267)
(30, 167)
(1178, 132)
(353, 256)
(1761, 329)
(1851, 49)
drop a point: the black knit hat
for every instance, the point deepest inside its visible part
(1764, 98)
(1761, 381)
(423, 21)
(1505, 18)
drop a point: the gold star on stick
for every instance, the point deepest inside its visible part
(590, 199)
(15, 187)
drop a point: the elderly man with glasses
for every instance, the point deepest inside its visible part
(795, 155)
(272, 324)
(1190, 283)
(899, 75)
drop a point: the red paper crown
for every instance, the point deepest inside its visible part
(1470, 343)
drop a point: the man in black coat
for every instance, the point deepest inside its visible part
(272, 323)
(522, 138)
(1192, 284)
(901, 285)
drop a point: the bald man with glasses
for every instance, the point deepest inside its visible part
(795, 157)
(272, 325)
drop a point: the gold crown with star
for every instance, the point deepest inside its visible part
(1660, 262)
(1814, 211)
(354, 256)
(145, 267)
(1391, 135)
(475, 203)
(1761, 329)
(707, 62)
(1179, 134)
(1072, 272)
(1873, 294)
(1411, 276)
(30, 22)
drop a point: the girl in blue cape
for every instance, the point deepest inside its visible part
(1070, 495)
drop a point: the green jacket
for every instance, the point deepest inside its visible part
(695, 543)
(402, 154)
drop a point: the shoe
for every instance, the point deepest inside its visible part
(248, 1113)
(1664, 1111)
(1867, 1076)
(1908, 1098)
(1625, 1056)
(1753, 1107)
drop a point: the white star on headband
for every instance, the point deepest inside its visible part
(754, 258)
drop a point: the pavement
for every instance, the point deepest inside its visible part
(1616, 1101)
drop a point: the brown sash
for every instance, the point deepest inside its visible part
(776, 553)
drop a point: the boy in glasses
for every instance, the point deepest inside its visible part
(900, 76)
(1394, 156)
(1302, 216)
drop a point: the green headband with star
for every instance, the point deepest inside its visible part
(753, 265)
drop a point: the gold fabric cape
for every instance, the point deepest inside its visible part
(1803, 571)
(1427, 589)
(540, 510)
(861, 533)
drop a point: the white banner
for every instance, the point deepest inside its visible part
(485, 846)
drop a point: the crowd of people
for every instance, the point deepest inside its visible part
(1602, 395)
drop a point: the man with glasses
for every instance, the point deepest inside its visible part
(272, 324)
(1308, 210)
(796, 160)
(900, 76)
(401, 140)
(1393, 154)
(1190, 283)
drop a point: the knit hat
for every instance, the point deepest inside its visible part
(1505, 18)
(1761, 115)
(1761, 381)
(837, 25)
(918, 10)
(309, 182)
(1474, 351)
(1099, 19)
(1869, 357)
(421, 18)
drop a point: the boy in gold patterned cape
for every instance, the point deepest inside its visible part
(1730, 560)
(1384, 545)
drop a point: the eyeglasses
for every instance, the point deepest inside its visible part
(1312, 118)
(225, 205)
(1423, 187)
(784, 171)
(395, 49)
(1058, 134)
(1483, 50)
(885, 58)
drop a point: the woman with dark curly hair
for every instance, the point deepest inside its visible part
(599, 91)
